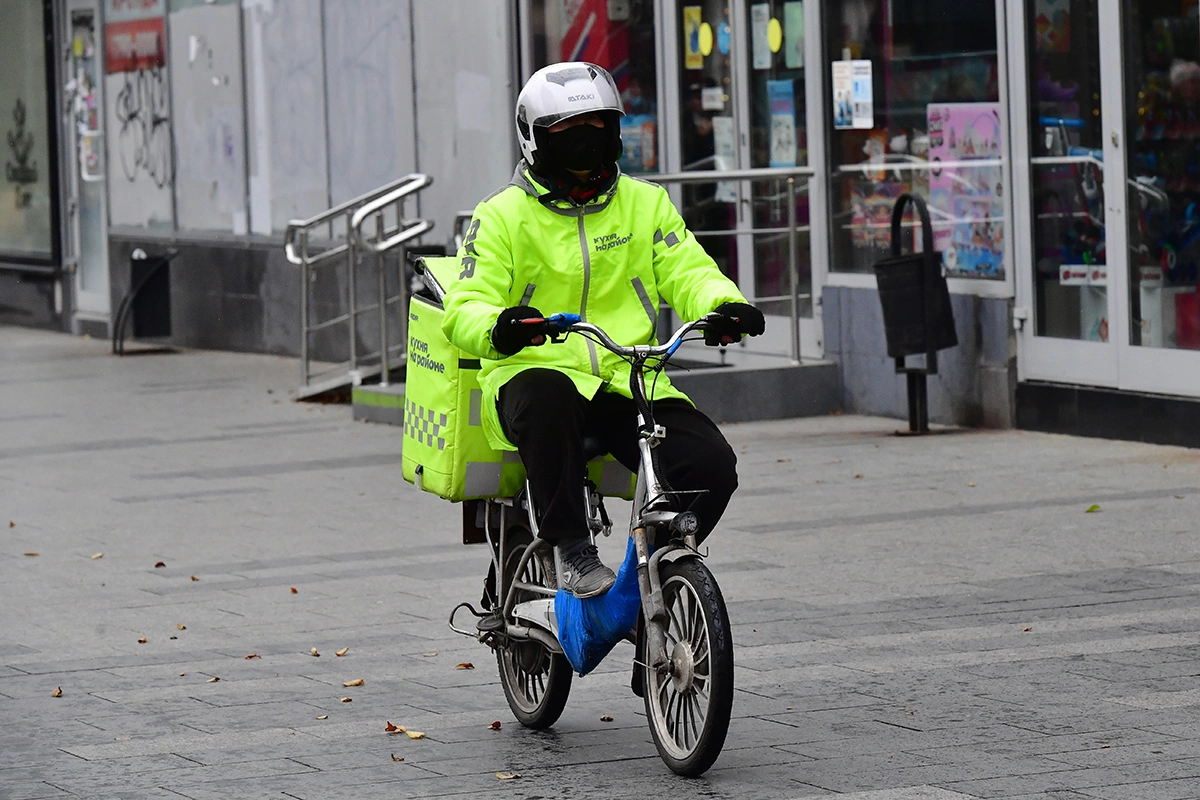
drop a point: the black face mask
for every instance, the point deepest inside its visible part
(582, 148)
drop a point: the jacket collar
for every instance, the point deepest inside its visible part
(524, 179)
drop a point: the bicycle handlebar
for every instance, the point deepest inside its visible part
(573, 323)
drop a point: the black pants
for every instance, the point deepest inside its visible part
(547, 419)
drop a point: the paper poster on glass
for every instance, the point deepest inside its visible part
(724, 157)
(692, 19)
(781, 96)
(966, 202)
(853, 95)
(1052, 25)
(793, 34)
(760, 38)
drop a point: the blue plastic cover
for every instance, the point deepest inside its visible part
(589, 629)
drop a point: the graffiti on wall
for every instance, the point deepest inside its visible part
(144, 125)
(135, 37)
(21, 171)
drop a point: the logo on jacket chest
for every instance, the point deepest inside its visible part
(609, 241)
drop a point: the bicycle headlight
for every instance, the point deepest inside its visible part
(685, 524)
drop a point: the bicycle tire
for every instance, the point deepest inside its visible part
(536, 681)
(687, 740)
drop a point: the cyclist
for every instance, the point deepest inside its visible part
(570, 233)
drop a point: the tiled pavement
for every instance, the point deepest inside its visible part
(915, 619)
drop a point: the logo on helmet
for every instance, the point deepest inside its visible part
(575, 97)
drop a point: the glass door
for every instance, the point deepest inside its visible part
(743, 91)
(85, 170)
(1067, 332)
(1161, 74)
(1111, 292)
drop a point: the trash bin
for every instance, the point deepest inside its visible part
(917, 317)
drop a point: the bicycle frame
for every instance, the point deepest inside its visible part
(535, 619)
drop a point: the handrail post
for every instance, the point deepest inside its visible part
(793, 269)
(305, 282)
(381, 262)
(352, 307)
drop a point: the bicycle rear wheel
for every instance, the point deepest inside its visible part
(689, 707)
(536, 681)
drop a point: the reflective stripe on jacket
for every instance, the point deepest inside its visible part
(608, 261)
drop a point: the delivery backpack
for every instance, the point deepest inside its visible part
(445, 449)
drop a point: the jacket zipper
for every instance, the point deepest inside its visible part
(587, 279)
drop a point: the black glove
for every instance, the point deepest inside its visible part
(510, 337)
(730, 321)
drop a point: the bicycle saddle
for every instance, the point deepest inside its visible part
(593, 448)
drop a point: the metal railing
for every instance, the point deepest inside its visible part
(344, 244)
(792, 231)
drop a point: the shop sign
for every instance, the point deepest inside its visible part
(135, 34)
(853, 95)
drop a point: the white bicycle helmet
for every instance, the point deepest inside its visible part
(561, 91)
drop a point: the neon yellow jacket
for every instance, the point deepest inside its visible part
(608, 261)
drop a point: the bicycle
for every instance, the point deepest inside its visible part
(684, 648)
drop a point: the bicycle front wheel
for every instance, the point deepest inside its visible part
(689, 705)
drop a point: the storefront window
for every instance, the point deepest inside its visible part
(914, 101)
(1162, 108)
(620, 38)
(26, 197)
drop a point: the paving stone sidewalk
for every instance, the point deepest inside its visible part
(915, 619)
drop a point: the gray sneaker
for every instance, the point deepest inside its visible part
(580, 570)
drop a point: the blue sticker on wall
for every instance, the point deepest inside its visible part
(724, 35)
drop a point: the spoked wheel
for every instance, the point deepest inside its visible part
(536, 681)
(689, 705)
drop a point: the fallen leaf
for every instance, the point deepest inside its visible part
(1105, 746)
(507, 776)
(1178, 497)
(397, 758)
(33, 554)
(172, 637)
(213, 679)
(971, 485)
(606, 718)
(159, 565)
(413, 734)
(253, 655)
(195, 578)
(181, 626)
(143, 640)
(495, 725)
(12, 524)
(182, 674)
(355, 682)
(342, 652)
(294, 590)
(858, 476)
(314, 652)
(323, 716)
(426, 655)
(97, 555)
(1093, 508)
(57, 692)
(782, 460)
(754, 629)
(1027, 630)
(347, 699)
(390, 728)
(465, 665)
